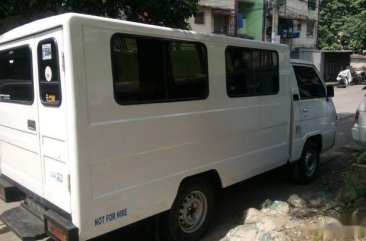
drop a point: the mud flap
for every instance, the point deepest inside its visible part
(9, 193)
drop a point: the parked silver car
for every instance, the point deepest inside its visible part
(359, 128)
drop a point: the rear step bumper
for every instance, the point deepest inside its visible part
(24, 223)
(9, 193)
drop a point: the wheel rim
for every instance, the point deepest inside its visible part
(192, 212)
(310, 162)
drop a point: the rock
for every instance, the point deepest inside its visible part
(316, 200)
(300, 212)
(242, 233)
(267, 203)
(253, 215)
(272, 236)
(265, 230)
(296, 202)
(330, 205)
(278, 208)
(267, 225)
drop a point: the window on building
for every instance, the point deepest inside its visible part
(199, 18)
(310, 85)
(221, 24)
(310, 30)
(311, 5)
(148, 70)
(251, 72)
(16, 78)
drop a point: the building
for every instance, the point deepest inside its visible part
(241, 18)
(297, 24)
(297, 20)
(250, 19)
(215, 16)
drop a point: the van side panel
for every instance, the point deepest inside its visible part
(138, 154)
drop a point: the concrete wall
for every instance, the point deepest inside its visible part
(358, 62)
(305, 41)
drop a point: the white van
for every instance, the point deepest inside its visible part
(105, 122)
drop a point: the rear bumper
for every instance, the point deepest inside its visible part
(36, 215)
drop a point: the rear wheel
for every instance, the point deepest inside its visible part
(309, 163)
(191, 212)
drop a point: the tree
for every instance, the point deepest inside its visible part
(342, 24)
(17, 12)
(171, 13)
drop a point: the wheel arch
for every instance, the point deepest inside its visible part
(317, 139)
(211, 176)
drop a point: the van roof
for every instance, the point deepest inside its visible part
(68, 19)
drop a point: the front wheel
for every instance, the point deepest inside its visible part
(191, 212)
(309, 163)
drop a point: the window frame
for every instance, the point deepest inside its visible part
(199, 17)
(312, 5)
(253, 79)
(324, 89)
(165, 42)
(310, 25)
(23, 102)
(39, 45)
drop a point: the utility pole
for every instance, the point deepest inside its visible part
(274, 20)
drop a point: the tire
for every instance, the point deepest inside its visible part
(309, 163)
(189, 217)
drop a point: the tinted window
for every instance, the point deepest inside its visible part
(48, 72)
(147, 70)
(251, 72)
(310, 85)
(16, 78)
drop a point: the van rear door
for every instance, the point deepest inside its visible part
(52, 118)
(33, 117)
(19, 121)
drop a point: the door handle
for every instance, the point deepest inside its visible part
(32, 125)
(305, 110)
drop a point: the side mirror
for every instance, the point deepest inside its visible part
(330, 90)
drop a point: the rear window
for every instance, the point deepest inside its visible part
(16, 78)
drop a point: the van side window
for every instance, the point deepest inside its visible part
(16, 77)
(310, 85)
(49, 73)
(150, 70)
(251, 72)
